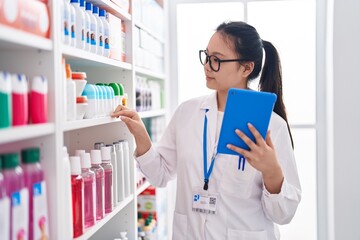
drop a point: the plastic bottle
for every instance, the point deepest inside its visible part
(122, 94)
(123, 41)
(65, 207)
(102, 15)
(79, 24)
(35, 183)
(90, 93)
(116, 89)
(39, 100)
(86, 26)
(70, 95)
(89, 190)
(19, 195)
(19, 94)
(108, 169)
(65, 10)
(101, 101)
(78, 152)
(114, 178)
(4, 208)
(72, 25)
(125, 145)
(77, 191)
(93, 27)
(112, 99)
(98, 145)
(100, 31)
(5, 100)
(120, 171)
(108, 100)
(99, 176)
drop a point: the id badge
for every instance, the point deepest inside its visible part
(204, 202)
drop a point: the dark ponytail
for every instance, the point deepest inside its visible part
(271, 80)
(248, 45)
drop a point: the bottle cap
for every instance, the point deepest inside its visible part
(85, 160)
(95, 156)
(89, 91)
(39, 84)
(81, 99)
(116, 88)
(68, 71)
(95, 9)
(121, 87)
(30, 155)
(10, 160)
(5, 82)
(102, 13)
(19, 84)
(74, 1)
(82, 3)
(106, 153)
(98, 145)
(78, 152)
(78, 75)
(75, 165)
(88, 6)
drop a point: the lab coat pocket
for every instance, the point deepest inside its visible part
(246, 235)
(179, 226)
(235, 182)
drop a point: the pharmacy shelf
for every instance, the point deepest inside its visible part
(92, 230)
(154, 113)
(14, 39)
(149, 31)
(148, 73)
(112, 8)
(13, 134)
(85, 123)
(144, 186)
(77, 57)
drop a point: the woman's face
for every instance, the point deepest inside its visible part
(231, 74)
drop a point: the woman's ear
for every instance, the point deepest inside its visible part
(248, 67)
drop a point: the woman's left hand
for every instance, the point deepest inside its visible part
(261, 156)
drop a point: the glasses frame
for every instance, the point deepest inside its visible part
(207, 60)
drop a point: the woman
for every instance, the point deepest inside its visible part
(234, 204)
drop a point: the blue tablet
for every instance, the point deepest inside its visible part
(243, 107)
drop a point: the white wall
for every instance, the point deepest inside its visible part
(346, 119)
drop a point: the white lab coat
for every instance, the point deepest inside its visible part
(245, 209)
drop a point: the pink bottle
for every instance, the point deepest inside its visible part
(99, 176)
(89, 190)
(19, 95)
(38, 100)
(4, 208)
(34, 181)
(77, 192)
(106, 164)
(15, 188)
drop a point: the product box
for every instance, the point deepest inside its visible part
(115, 36)
(147, 202)
(27, 15)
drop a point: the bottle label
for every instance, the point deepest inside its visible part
(92, 34)
(4, 218)
(72, 25)
(66, 24)
(40, 223)
(20, 214)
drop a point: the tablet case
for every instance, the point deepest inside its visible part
(242, 107)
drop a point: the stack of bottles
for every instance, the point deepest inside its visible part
(84, 100)
(100, 179)
(85, 26)
(20, 103)
(27, 15)
(23, 202)
(148, 94)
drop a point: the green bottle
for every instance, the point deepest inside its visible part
(5, 100)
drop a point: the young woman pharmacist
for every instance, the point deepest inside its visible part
(237, 204)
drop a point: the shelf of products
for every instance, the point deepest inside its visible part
(85, 123)
(24, 132)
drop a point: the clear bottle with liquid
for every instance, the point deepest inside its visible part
(100, 182)
(108, 170)
(89, 189)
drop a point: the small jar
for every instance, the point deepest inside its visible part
(80, 82)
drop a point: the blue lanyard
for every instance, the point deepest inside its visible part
(207, 172)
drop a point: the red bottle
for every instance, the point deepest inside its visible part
(19, 94)
(77, 192)
(38, 100)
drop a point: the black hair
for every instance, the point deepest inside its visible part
(249, 46)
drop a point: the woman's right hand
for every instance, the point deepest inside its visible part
(135, 125)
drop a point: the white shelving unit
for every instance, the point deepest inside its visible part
(22, 52)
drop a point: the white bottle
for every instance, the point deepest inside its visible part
(65, 21)
(102, 15)
(127, 163)
(93, 27)
(70, 96)
(66, 205)
(100, 31)
(79, 25)
(87, 25)
(120, 171)
(72, 32)
(114, 174)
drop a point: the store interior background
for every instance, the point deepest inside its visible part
(318, 41)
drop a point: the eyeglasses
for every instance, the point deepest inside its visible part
(214, 61)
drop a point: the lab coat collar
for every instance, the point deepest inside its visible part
(210, 102)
